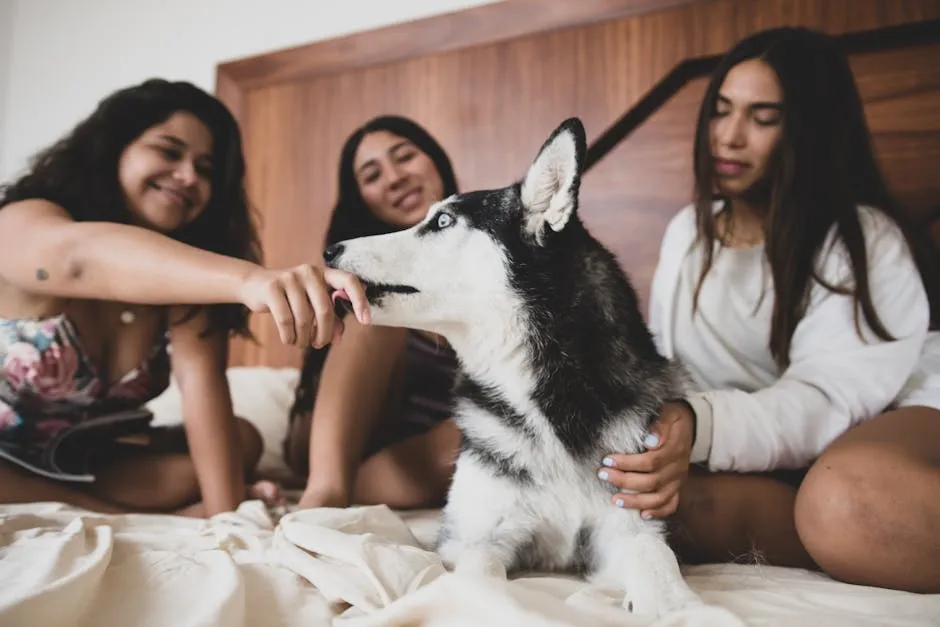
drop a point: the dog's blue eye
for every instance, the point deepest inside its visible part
(444, 220)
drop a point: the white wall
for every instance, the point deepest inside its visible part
(6, 50)
(62, 56)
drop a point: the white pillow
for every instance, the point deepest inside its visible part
(262, 396)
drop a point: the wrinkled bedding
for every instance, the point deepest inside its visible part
(359, 567)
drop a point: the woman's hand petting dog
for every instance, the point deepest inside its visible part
(650, 481)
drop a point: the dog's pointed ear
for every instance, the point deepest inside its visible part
(550, 188)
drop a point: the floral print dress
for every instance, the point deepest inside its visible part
(48, 385)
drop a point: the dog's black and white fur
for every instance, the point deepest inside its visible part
(558, 369)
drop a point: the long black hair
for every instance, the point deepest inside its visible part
(352, 218)
(823, 168)
(80, 173)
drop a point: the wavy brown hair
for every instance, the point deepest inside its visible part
(80, 173)
(822, 170)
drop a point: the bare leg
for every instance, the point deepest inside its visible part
(337, 433)
(144, 482)
(413, 473)
(162, 482)
(18, 486)
(332, 479)
(868, 510)
(726, 517)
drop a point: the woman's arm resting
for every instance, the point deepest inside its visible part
(199, 369)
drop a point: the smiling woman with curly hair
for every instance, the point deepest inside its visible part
(129, 254)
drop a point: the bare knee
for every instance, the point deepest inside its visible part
(146, 482)
(862, 514)
(413, 473)
(831, 509)
(432, 476)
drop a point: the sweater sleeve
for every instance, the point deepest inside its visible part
(836, 379)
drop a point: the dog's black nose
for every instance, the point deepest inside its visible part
(332, 252)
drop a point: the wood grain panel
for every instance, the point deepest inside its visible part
(487, 24)
(901, 90)
(835, 16)
(491, 106)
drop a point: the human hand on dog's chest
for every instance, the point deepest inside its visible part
(651, 481)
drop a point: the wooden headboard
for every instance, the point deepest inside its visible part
(491, 82)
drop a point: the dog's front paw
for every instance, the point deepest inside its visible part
(477, 562)
(646, 596)
(656, 602)
(481, 563)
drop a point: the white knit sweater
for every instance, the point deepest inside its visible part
(751, 417)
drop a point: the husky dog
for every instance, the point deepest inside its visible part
(557, 369)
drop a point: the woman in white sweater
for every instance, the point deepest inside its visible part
(802, 308)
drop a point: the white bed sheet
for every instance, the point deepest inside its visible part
(360, 567)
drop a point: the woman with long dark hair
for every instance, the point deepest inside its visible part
(371, 422)
(130, 254)
(801, 302)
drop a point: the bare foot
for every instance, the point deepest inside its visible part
(314, 496)
(266, 491)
